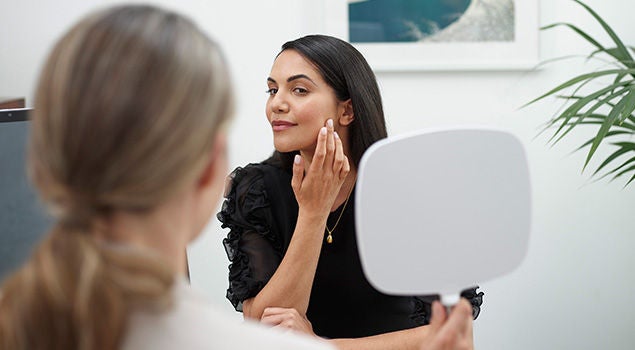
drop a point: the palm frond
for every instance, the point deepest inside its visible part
(609, 108)
(621, 54)
(620, 151)
(581, 78)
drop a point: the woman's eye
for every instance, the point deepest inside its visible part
(300, 90)
(271, 91)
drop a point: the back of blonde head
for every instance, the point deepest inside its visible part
(127, 109)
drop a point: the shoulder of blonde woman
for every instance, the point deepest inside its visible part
(194, 323)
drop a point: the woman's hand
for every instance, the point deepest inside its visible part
(317, 189)
(453, 332)
(287, 318)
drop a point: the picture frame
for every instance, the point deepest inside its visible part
(520, 53)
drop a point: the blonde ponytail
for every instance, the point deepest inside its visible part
(76, 294)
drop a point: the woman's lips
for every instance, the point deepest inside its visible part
(280, 125)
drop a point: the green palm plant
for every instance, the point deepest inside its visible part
(608, 108)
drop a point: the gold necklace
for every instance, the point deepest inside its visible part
(329, 237)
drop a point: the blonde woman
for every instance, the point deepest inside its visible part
(127, 147)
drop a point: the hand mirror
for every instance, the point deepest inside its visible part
(441, 210)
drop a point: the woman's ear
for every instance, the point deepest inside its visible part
(347, 115)
(217, 163)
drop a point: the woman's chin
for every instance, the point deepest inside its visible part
(284, 147)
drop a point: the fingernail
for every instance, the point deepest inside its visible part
(296, 159)
(323, 131)
(336, 135)
(329, 123)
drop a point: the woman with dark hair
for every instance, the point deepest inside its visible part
(292, 245)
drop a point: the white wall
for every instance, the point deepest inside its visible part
(575, 289)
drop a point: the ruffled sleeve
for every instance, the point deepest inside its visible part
(252, 248)
(476, 300)
(423, 305)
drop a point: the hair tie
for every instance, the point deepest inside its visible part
(78, 212)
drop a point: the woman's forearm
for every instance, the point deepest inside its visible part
(290, 286)
(316, 182)
(399, 340)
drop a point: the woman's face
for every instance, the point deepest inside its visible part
(299, 103)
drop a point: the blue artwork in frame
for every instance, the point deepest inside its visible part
(400, 35)
(401, 20)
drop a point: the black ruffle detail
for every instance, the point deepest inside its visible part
(423, 310)
(476, 299)
(423, 305)
(246, 209)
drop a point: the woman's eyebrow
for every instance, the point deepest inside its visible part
(300, 76)
(294, 77)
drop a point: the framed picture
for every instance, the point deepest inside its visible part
(407, 35)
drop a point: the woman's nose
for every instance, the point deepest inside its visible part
(279, 104)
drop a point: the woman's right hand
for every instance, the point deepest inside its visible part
(450, 332)
(287, 318)
(316, 189)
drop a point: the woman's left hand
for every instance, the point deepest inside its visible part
(287, 318)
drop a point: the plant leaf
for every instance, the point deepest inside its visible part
(622, 53)
(611, 158)
(577, 30)
(625, 144)
(613, 171)
(580, 78)
(579, 104)
(619, 77)
(613, 52)
(610, 109)
(631, 168)
(626, 128)
(627, 162)
(630, 117)
(624, 148)
(629, 105)
(603, 131)
(609, 134)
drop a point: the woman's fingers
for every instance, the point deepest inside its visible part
(438, 316)
(451, 332)
(288, 318)
(460, 318)
(330, 145)
(325, 149)
(320, 150)
(346, 168)
(298, 173)
(273, 320)
(340, 162)
(316, 185)
(274, 315)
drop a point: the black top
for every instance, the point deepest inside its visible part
(261, 212)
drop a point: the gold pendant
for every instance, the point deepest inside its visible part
(329, 239)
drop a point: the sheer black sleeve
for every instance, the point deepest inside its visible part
(475, 298)
(252, 248)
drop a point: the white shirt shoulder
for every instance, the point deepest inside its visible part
(194, 323)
